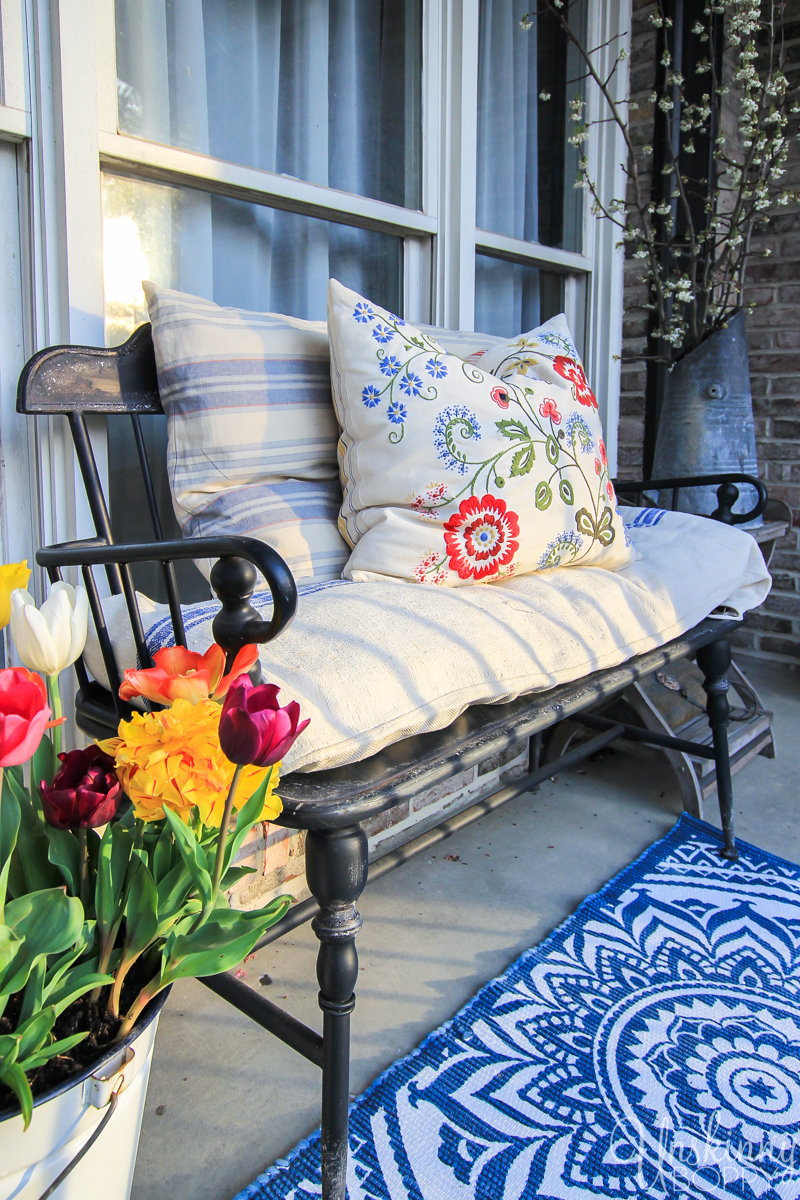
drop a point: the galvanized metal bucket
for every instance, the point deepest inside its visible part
(706, 424)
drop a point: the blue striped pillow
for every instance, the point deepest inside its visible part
(252, 429)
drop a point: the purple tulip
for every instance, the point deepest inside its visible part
(253, 728)
(84, 792)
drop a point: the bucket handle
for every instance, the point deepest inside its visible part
(104, 1091)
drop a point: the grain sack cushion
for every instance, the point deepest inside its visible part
(453, 477)
(372, 663)
(252, 431)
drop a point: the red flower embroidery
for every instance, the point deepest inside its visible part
(601, 446)
(610, 490)
(567, 368)
(598, 466)
(548, 408)
(500, 396)
(480, 537)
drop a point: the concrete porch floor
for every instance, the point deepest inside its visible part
(226, 1099)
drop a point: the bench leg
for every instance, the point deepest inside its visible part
(714, 661)
(336, 871)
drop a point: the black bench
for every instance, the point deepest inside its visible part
(333, 805)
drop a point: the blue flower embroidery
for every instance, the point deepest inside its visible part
(371, 396)
(397, 412)
(436, 369)
(456, 420)
(562, 549)
(363, 313)
(578, 433)
(391, 365)
(382, 333)
(411, 384)
(398, 321)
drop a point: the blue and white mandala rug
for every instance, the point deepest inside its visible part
(650, 1047)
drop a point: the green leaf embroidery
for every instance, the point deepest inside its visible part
(601, 531)
(553, 449)
(566, 492)
(522, 461)
(544, 495)
(514, 429)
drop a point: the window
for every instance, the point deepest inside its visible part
(245, 150)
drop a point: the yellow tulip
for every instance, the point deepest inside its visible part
(173, 757)
(12, 575)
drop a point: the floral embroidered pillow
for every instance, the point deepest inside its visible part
(547, 353)
(453, 476)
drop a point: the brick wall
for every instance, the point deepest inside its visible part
(634, 322)
(277, 855)
(773, 631)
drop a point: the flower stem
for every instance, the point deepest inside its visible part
(55, 701)
(223, 831)
(147, 993)
(83, 852)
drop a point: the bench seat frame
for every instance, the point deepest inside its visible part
(332, 806)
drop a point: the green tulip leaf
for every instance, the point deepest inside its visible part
(161, 861)
(33, 996)
(224, 940)
(15, 1079)
(31, 870)
(173, 891)
(246, 818)
(33, 1032)
(9, 1045)
(141, 913)
(64, 853)
(233, 875)
(9, 822)
(9, 945)
(73, 983)
(62, 1046)
(112, 872)
(44, 764)
(49, 921)
(193, 856)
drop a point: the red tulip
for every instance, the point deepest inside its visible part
(181, 674)
(85, 791)
(253, 728)
(24, 715)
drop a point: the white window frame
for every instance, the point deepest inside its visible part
(63, 115)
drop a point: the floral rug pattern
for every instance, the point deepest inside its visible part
(650, 1047)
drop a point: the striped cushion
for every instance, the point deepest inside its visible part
(252, 431)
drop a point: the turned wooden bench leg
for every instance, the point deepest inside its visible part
(714, 661)
(336, 872)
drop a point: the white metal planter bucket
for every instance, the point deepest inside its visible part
(65, 1118)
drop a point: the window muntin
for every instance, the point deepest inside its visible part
(511, 298)
(526, 168)
(233, 252)
(327, 91)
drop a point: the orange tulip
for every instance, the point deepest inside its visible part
(181, 674)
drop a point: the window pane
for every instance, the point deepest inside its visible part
(323, 90)
(236, 254)
(526, 168)
(233, 252)
(511, 298)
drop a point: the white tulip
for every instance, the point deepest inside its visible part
(51, 638)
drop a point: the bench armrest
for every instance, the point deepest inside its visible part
(727, 492)
(233, 578)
